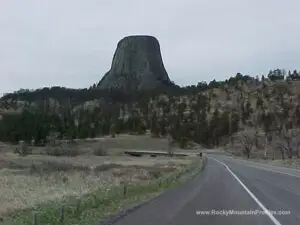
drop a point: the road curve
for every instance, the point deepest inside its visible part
(234, 185)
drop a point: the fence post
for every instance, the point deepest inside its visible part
(94, 201)
(125, 190)
(77, 210)
(35, 219)
(62, 214)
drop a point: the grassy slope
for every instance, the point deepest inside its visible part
(103, 202)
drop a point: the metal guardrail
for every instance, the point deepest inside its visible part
(154, 153)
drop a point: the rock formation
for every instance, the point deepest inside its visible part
(137, 65)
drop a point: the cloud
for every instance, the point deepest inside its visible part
(71, 42)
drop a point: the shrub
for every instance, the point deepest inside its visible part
(23, 149)
(49, 167)
(112, 130)
(54, 151)
(59, 148)
(183, 142)
(62, 150)
(100, 151)
(105, 167)
(170, 149)
(155, 174)
(141, 129)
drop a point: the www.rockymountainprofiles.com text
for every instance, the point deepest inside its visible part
(215, 212)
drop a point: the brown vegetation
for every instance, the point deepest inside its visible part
(36, 178)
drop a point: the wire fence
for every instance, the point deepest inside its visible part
(68, 211)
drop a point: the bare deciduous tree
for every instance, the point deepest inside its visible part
(284, 142)
(298, 150)
(170, 143)
(296, 141)
(268, 140)
(247, 139)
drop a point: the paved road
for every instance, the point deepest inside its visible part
(226, 184)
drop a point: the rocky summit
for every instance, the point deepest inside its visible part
(137, 65)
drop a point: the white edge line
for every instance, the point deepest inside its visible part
(269, 170)
(258, 163)
(267, 212)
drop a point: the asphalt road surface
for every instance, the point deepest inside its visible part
(227, 184)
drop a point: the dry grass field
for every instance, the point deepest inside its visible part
(31, 180)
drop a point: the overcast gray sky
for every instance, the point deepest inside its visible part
(71, 42)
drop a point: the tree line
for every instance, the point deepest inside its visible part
(198, 125)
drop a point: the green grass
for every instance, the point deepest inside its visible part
(104, 202)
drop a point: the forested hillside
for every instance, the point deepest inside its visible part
(209, 114)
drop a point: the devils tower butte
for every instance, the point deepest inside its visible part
(137, 65)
